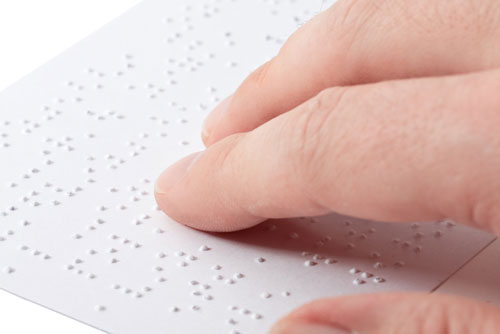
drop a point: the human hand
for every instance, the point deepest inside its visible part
(378, 109)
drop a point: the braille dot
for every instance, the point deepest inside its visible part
(266, 295)
(354, 271)
(260, 260)
(8, 270)
(378, 280)
(358, 281)
(100, 308)
(399, 264)
(161, 255)
(366, 274)
(310, 263)
(204, 248)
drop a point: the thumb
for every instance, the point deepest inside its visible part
(392, 313)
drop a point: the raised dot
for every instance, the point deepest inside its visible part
(310, 263)
(399, 264)
(358, 281)
(8, 270)
(266, 295)
(354, 271)
(366, 274)
(100, 308)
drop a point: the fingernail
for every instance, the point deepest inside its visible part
(306, 328)
(174, 173)
(213, 118)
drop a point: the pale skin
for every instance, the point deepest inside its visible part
(380, 109)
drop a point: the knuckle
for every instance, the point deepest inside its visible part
(310, 134)
(486, 214)
(259, 77)
(226, 155)
(351, 13)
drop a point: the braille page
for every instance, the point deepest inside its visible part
(82, 140)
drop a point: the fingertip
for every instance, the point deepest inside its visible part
(213, 120)
(170, 177)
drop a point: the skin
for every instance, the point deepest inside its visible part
(387, 110)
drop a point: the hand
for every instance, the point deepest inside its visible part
(386, 110)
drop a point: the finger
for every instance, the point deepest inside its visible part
(392, 313)
(357, 42)
(393, 151)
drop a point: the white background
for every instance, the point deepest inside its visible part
(31, 33)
